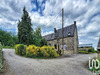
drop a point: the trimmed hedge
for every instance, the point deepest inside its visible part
(34, 51)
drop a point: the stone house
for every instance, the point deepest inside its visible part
(98, 47)
(85, 47)
(70, 39)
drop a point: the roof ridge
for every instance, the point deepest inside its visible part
(59, 29)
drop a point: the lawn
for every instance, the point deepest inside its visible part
(8, 47)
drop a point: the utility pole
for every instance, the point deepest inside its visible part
(62, 31)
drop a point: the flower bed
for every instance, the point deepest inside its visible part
(34, 51)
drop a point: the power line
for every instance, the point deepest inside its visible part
(53, 18)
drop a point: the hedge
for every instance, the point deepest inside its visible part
(35, 51)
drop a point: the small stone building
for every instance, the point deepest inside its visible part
(70, 39)
(98, 47)
(85, 47)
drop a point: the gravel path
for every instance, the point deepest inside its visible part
(72, 65)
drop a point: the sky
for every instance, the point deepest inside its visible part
(47, 15)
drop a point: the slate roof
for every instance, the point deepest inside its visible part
(99, 42)
(67, 30)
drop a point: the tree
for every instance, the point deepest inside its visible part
(37, 36)
(43, 42)
(7, 39)
(38, 39)
(25, 29)
(15, 39)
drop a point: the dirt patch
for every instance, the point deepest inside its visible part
(6, 70)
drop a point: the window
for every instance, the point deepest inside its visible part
(64, 47)
(49, 44)
(55, 46)
(69, 33)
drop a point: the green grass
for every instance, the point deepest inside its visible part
(86, 52)
(8, 47)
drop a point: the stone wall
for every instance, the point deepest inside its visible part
(69, 42)
(76, 41)
(84, 48)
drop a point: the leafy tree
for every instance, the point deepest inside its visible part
(37, 36)
(43, 42)
(15, 39)
(25, 29)
(38, 39)
(7, 39)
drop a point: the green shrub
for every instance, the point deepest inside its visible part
(59, 52)
(91, 50)
(20, 49)
(34, 51)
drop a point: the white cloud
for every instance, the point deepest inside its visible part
(86, 13)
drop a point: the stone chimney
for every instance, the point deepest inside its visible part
(74, 22)
(55, 32)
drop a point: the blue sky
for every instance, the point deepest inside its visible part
(47, 15)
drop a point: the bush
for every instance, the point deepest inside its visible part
(59, 52)
(91, 50)
(48, 51)
(16, 48)
(20, 49)
(34, 51)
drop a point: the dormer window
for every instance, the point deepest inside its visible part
(69, 33)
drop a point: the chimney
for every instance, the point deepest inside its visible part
(74, 22)
(55, 30)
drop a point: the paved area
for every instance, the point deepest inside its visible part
(69, 65)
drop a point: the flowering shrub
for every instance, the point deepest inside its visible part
(48, 51)
(34, 51)
(16, 48)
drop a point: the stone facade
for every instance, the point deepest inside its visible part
(70, 42)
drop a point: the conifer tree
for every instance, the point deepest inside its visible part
(25, 29)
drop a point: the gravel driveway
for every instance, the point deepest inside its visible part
(69, 65)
